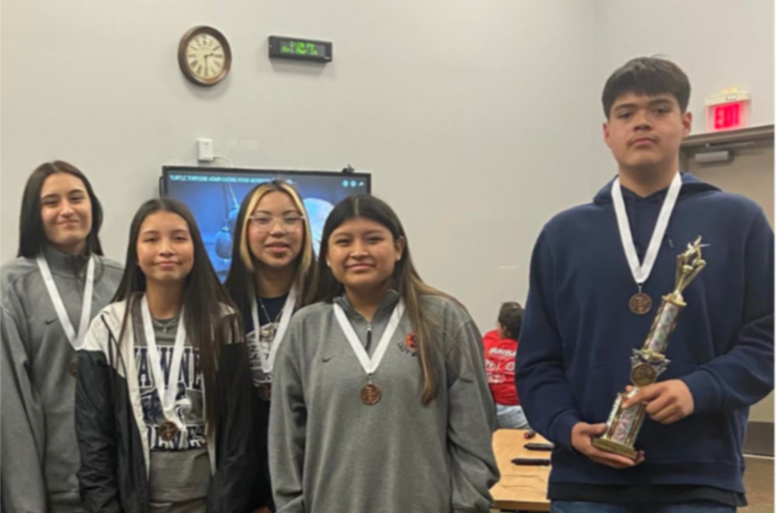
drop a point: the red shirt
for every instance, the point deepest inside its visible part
(500, 368)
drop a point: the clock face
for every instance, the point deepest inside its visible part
(204, 56)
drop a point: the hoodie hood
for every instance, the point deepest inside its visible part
(691, 185)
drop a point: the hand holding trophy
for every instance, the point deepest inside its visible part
(649, 362)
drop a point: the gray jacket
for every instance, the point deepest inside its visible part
(329, 452)
(37, 428)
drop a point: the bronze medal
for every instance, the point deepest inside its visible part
(168, 431)
(371, 394)
(640, 303)
(265, 391)
(643, 375)
(73, 369)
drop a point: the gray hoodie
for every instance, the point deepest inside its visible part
(37, 429)
(329, 452)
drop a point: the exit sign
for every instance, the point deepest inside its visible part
(727, 110)
(728, 116)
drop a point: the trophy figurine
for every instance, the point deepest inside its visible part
(649, 362)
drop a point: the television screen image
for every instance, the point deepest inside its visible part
(214, 196)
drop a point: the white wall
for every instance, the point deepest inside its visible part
(460, 108)
(718, 43)
(479, 119)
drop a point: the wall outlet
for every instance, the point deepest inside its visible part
(205, 150)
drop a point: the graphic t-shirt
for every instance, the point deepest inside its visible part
(180, 467)
(267, 330)
(500, 368)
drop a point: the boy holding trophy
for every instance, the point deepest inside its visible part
(649, 328)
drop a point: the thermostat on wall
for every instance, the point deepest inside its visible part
(300, 49)
(727, 110)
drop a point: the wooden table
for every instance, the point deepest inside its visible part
(521, 488)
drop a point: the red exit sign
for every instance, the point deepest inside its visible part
(727, 110)
(728, 116)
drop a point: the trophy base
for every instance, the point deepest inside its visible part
(615, 447)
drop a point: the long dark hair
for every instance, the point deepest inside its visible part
(32, 237)
(240, 280)
(405, 279)
(208, 326)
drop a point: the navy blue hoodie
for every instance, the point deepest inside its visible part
(578, 333)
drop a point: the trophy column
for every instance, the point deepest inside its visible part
(648, 363)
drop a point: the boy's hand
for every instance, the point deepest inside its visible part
(667, 402)
(582, 433)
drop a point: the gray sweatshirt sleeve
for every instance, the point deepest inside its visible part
(22, 422)
(288, 424)
(471, 422)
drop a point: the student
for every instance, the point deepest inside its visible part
(49, 293)
(163, 398)
(598, 274)
(269, 278)
(500, 346)
(380, 401)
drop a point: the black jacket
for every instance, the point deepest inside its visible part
(113, 477)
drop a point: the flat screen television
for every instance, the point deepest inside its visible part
(214, 196)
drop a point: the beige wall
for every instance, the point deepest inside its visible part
(457, 107)
(719, 44)
(479, 119)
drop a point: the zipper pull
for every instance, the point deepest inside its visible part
(369, 336)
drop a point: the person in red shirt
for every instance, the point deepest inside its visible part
(501, 345)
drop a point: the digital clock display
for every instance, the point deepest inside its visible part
(300, 49)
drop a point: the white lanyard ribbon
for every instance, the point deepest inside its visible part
(76, 340)
(370, 364)
(268, 362)
(642, 272)
(167, 390)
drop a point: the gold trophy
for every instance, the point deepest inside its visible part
(649, 362)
